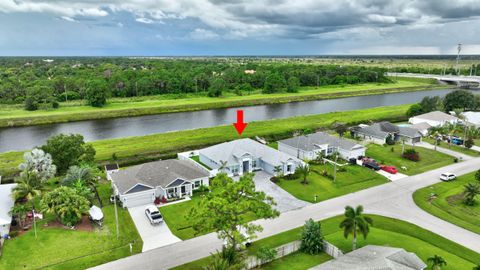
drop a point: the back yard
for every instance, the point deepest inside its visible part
(354, 178)
(391, 155)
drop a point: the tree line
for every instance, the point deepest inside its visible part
(41, 83)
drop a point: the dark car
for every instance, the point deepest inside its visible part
(371, 165)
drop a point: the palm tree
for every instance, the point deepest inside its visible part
(277, 170)
(223, 166)
(20, 211)
(304, 170)
(28, 187)
(320, 156)
(355, 222)
(471, 191)
(437, 262)
(75, 173)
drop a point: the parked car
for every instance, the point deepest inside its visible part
(371, 165)
(153, 215)
(457, 141)
(389, 169)
(447, 176)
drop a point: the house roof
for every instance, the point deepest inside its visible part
(6, 203)
(310, 142)
(409, 132)
(375, 257)
(472, 117)
(232, 152)
(436, 116)
(157, 173)
(421, 126)
(383, 129)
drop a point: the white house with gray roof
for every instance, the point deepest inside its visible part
(246, 155)
(375, 257)
(170, 179)
(379, 132)
(309, 146)
(434, 119)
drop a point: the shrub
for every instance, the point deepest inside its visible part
(469, 143)
(477, 175)
(312, 238)
(266, 254)
(411, 154)
(390, 140)
(31, 104)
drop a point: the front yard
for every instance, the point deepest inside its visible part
(355, 178)
(176, 217)
(384, 232)
(429, 159)
(446, 203)
(457, 148)
(59, 248)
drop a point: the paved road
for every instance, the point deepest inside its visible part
(153, 236)
(393, 199)
(285, 201)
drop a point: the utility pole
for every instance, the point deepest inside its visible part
(116, 214)
(459, 49)
(34, 223)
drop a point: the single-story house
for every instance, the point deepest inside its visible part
(434, 119)
(246, 155)
(379, 132)
(169, 179)
(308, 147)
(422, 127)
(472, 118)
(6, 204)
(375, 257)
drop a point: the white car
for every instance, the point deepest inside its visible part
(153, 215)
(447, 176)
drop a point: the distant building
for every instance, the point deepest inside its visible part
(379, 132)
(375, 258)
(308, 146)
(250, 71)
(434, 119)
(472, 118)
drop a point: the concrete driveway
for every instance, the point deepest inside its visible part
(152, 236)
(285, 201)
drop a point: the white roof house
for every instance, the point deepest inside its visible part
(472, 118)
(246, 155)
(6, 204)
(375, 257)
(434, 119)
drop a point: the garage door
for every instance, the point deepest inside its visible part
(142, 198)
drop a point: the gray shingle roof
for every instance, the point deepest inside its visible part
(421, 126)
(157, 173)
(309, 142)
(409, 132)
(233, 150)
(436, 116)
(382, 129)
(375, 258)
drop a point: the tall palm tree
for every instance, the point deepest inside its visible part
(354, 223)
(28, 187)
(304, 171)
(223, 166)
(83, 174)
(471, 191)
(437, 262)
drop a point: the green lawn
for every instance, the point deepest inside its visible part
(353, 179)
(165, 145)
(385, 232)
(15, 115)
(429, 159)
(176, 217)
(60, 249)
(296, 261)
(448, 204)
(454, 147)
(197, 159)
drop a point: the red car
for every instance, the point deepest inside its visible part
(389, 169)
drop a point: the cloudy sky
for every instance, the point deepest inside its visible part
(238, 27)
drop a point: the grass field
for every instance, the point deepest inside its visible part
(385, 232)
(175, 216)
(144, 148)
(448, 203)
(355, 178)
(454, 147)
(58, 248)
(15, 115)
(429, 159)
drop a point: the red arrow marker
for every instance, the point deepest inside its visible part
(240, 125)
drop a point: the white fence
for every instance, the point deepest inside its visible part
(292, 247)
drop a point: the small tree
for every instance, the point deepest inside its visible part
(304, 171)
(477, 175)
(39, 163)
(278, 171)
(389, 140)
(20, 211)
(470, 192)
(340, 128)
(97, 91)
(312, 238)
(66, 204)
(414, 110)
(436, 262)
(29, 186)
(469, 143)
(354, 223)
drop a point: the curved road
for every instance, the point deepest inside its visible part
(392, 200)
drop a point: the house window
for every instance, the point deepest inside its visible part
(289, 167)
(254, 164)
(198, 183)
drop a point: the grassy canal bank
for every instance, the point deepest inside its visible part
(15, 115)
(139, 149)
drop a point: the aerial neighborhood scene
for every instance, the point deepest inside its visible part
(235, 135)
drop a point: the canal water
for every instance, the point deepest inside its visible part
(22, 138)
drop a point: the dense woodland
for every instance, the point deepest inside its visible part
(43, 83)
